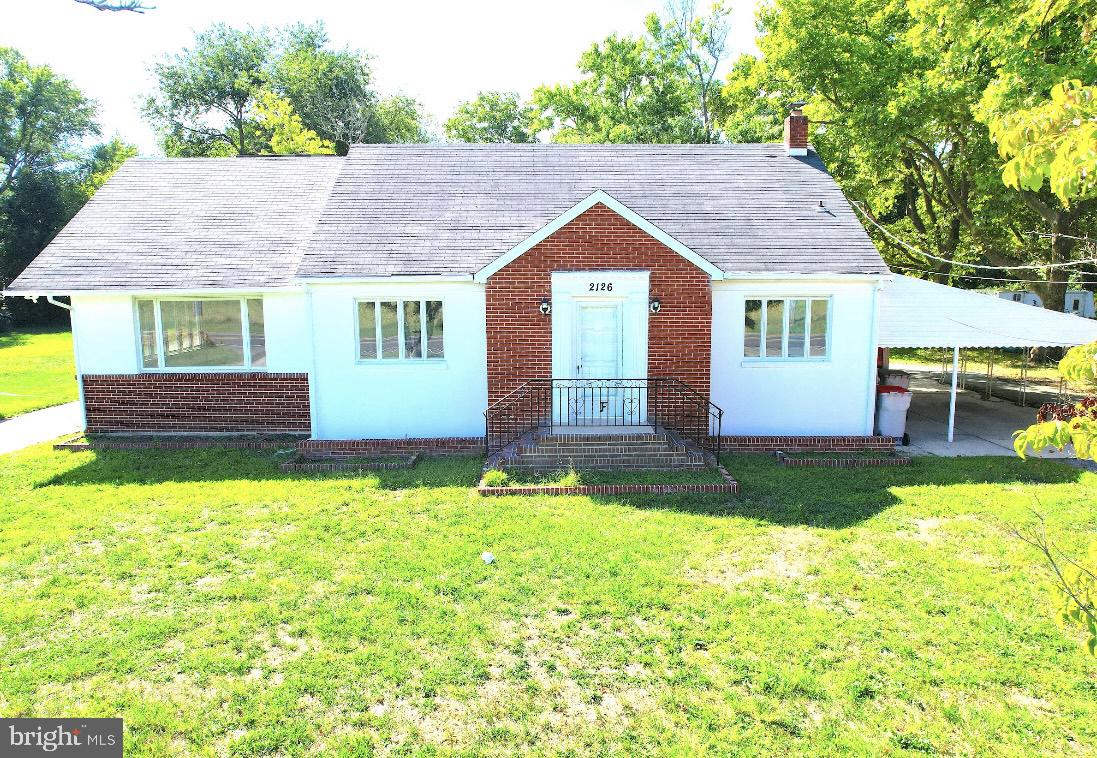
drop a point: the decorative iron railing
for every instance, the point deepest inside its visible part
(662, 403)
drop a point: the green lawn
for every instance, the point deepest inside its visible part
(36, 371)
(222, 607)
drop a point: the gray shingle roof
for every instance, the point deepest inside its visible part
(438, 209)
(452, 209)
(188, 222)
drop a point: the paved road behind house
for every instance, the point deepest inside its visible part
(39, 426)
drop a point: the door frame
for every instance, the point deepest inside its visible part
(630, 288)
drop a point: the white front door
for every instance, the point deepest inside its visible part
(599, 349)
(599, 343)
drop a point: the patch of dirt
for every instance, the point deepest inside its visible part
(844, 605)
(1037, 706)
(794, 551)
(925, 529)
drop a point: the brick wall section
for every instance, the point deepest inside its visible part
(814, 444)
(796, 131)
(519, 338)
(431, 445)
(197, 402)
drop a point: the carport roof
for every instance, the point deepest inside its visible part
(916, 313)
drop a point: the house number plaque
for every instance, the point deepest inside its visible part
(600, 287)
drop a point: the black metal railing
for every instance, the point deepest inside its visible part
(663, 403)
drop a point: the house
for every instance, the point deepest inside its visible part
(437, 295)
(1022, 296)
(1080, 303)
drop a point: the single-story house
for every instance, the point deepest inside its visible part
(413, 292)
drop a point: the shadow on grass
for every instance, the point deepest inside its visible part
(818, 497)
(120, 467)
(832, 498)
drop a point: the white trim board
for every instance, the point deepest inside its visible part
(578, 209)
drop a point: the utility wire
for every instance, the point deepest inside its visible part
(911, 248)
(985, 278)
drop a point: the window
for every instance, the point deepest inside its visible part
(190, 333)
(400, 330)
(786, 328)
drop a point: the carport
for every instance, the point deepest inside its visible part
(919, 314)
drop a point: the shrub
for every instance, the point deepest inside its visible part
(495, 478)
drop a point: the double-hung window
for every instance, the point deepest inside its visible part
(787, 328)
(202, 333)
(400, 330)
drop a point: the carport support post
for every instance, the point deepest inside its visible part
(952, 394)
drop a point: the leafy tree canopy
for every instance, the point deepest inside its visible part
(208, 94)
(43, 118)
(492, 117)
(900, 92)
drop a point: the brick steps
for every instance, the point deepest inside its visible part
(603, 452)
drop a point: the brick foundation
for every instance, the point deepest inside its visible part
(813, 444)
(194, 403)
(519, 337)
(432, 445)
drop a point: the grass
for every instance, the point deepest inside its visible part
(220, 606)
(574, 478)
(1007, 363)
(36, 371)
(855, 454)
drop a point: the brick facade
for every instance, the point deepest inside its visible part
(192, 403)
(519, 337)
(802, 444)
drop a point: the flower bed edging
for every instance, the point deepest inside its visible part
(183, 443)
(729, 486)
(883, 460)
(332, 463)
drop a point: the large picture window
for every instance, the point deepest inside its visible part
(787, 328)
(199, 333)
(400, 330)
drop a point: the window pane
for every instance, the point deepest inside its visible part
(367, 329)
(819, 328)
(752, 329)
(775, 326)
(434, 329)
(202, 333)
(390, 334)
(146, 320)
(413, 330)
(257, 337)
(797, 328)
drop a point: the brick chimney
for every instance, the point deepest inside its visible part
(796, 130)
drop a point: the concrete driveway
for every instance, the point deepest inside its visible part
(983, 427)
(39, 426)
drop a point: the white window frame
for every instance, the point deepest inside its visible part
(786, 313)
(245, 335)
(399, 300)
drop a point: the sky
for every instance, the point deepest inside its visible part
(440, 52)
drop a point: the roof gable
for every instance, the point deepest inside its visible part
(572, 213)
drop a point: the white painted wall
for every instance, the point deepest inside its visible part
(394, 399)
(834, 396)
(104, 334)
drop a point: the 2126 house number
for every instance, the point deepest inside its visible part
(600, 287)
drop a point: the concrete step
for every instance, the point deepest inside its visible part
(653, 461)
(608, 448)
(550, 439)
(616, 466)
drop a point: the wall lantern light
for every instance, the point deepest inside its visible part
(546, 306)
(655, 305)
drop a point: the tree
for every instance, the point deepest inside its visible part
(288, 136)
(901, 126)
(118, 5)
(700, 45)
(492, 117)
(42, 200)
(42, 117)
(633, 92)
(1028, 49)
(207, 95)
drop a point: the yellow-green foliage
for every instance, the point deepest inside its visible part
(1079, 365)
(1054, 141)
(495, 478)
(289, 136)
